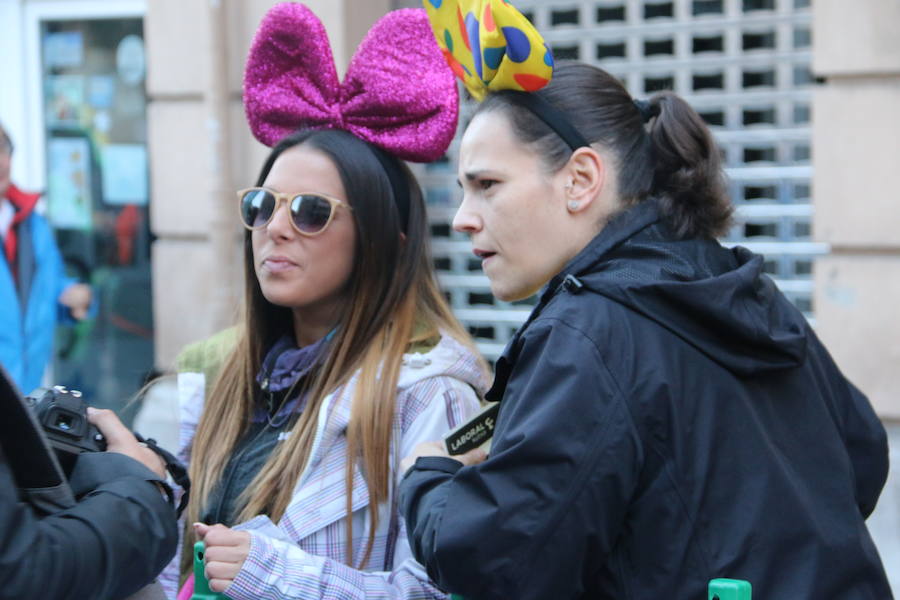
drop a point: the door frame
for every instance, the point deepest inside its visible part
(33, 153)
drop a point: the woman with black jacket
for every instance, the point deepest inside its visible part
(666, 416)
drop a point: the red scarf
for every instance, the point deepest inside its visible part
(24, 204)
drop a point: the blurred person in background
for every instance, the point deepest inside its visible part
(35, 293)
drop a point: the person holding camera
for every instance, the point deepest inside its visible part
(102, 531)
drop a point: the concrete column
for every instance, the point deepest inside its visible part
(856, 153)
(197, 269)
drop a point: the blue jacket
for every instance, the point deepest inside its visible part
(667, 417)
(26, 336)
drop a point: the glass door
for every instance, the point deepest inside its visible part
(95, 132)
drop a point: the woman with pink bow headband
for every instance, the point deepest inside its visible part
(348, 354)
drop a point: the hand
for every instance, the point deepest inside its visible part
(472, 457)
(225, 553)
(77, 297)
(119, 439)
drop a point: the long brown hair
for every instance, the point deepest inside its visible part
(392, 288)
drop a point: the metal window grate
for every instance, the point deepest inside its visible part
(743, 64)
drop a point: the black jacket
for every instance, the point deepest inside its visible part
(115, 537)
(667, 418)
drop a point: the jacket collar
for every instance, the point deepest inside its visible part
(23, 202)
(619, 230)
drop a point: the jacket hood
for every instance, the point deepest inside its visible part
(449, 357)
(716, 299)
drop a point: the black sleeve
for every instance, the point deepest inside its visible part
(116, 539)
(866, 442)
(423, 499)
(542, 514)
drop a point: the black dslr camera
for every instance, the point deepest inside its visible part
(62, 414)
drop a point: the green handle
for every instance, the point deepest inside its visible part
(201, 585)
(729, 589)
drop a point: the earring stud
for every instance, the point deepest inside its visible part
(573, 205)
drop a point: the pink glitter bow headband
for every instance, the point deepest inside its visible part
(398, 93)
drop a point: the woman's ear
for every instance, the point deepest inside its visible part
(585, 175)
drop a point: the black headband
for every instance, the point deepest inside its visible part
(399, 184)
(550, 115)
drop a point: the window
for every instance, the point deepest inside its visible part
(760, 154)
(751, 5)
(564, 17)
(658, 10)
(713, 118)
(707, 44)
(481, 298)
(706, 7)
(802, 75)
(756, 41)
(759, 116)
(760, 192)
(712, 81)
(607, 14)
(758, 78)
(657, 47)
(481, 331)
(769, 230)
(656, 84)
(802, 38)
(612, 50)
(801, 153)
(565, 52)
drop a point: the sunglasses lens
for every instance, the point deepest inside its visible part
(310, 212)
(257, 207)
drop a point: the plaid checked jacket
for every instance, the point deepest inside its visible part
(302, 556)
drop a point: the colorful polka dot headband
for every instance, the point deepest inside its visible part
(291, 82)
(492, 47)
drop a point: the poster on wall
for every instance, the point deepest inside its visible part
(69, 182)
(101, 91)
(63, 49)
(131, 63)
(125, 174)
(65, 97)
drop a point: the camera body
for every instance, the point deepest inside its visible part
(62, 415)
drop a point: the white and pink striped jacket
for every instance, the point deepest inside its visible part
(302, 556)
